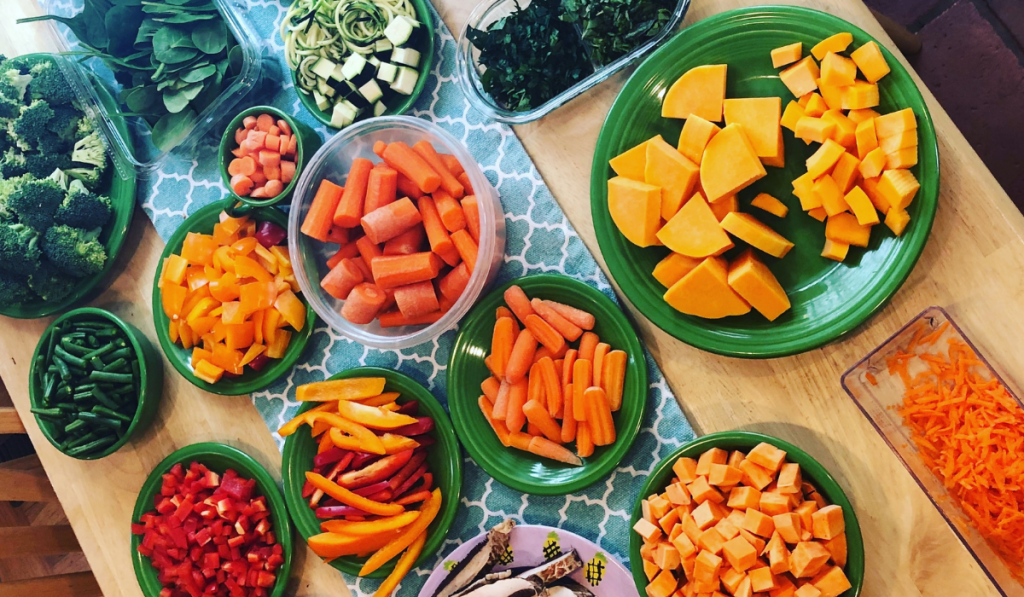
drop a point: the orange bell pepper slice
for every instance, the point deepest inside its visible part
(280, 344)
(225, 288)
(393, 444)
(223, 234)
(373, 417)
(232, 312)
(203, 325)
(227, 358)
(254, 351)
(428, 512)
(197, 276)
(270, 320)
(357, 501)
(257, 295)
(244, 246)
(172, 330)
(239, 335)
(172, 299)
(402, 568)
(185, 335)
(291, 308)
(282, 256)
(198, 248)
(201, 309)
(370, 527)
(334, 545)
(380, 399)
(356, 388)
(209, 373)
(302, 418)
(247, 267)
(174, 270)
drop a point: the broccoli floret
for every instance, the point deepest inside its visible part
(30, 126)
(23, 64)
(9, 109)
(13, 84)
(65, 123)
(19, 249)
(36, 201)
(8, 186)
(12, 164)
(74, 251)
(14, 289)
(91, 150)
(42, 165)
(50, 283)
(49, 83)
(83, 208)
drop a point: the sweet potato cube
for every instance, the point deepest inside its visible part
(689, 564)
(807, 590)
(708, 514)
(705, 588)
(787, 54)
(806, 511)
(784, 587)
(701, 491)
(789, 527)
(647, 551)
(778, 554)
(739, 553)
(712, 456)
(837, 548)
(768, 456)
(666, 556)
(647, 530)
(659, 506)
(731, 579)
(669, 521)
(744, 498)
(774, 503)
(898, 187)
(690, 526)
(711, 540)
(686, 469)
(753, 539)
(684, 546)
(758, 523)
(831, 582)
(724, 475)
(754, 475)
(790, 478)
(744, 590)
(678, 495)
(801, 78)
(761, 580)
(727, 528)
(807, 559)
(707, 567)
(663, 585)
(650, 570)
(828, 522)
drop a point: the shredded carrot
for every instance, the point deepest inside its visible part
(969, 431)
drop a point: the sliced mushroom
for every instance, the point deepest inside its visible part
(509, 587)
(557, 568)
(479, 561)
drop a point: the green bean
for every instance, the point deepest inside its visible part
(73, 348)
(67, 407)
(71, 335)
(102, 350)
(95, 419)
(102, 398)
(75, 425)
(62, 367)
(109, 413)
(113, 377)
(117, 365)
(51, 341)
(118, 354)
(47, 412)
(86, 438)
(135, 369)
(68, 357)
(49, 387)
(90, 447)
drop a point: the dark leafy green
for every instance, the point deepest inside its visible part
(612, 28)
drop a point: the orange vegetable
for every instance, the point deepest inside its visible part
(568, 418)
(537, 413)
(502, 345)
(568, 362)
(406, 243)
(498, 426)
(544, 333)
(521, 357)
(566, 328)
(455, 282)
(208, 372)
(546, 448)
(397, 270)
(588, 345)
(279, 344)
(450, 211)
(600, 352)
(197, 249)
(291, 309)
(350, 208)
(466, 248)
(581, 373)
(356, 501)
(518, 302)
(402, 158)
(172, 299)
(437, 235)
(584, 439)
(402, 568)
(613, 373)
(381, 189)
(428, 512)
(552, 386)
(516, 394)
(599, 416)
(342, 278)
(471, 209)
(390, 220)
(363, 303)
(578, 317)
(449, 182)
(320, 217)
(394, 319)
(417, 299)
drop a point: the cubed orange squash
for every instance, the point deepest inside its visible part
(790, 478)
(860, 95)
(702, 491)
(897, 220)
(632, 162)
(758, 523)
(832, 95)
(651, 570)
(666, 557)
(760, 118)
(699, 91)
(695, 136)
(694, 231)
(845, 132)
(822, 160)
(815, 106)
(861, 205)
(837, 548)
(673, 172)
(743, 498)
(291, 309)
(730, 164)
(705, 292)
(710, 457)
(898, 187)
(770, 204)
(831, 582)
(844, 228)
(779, 161)
(756, 475)
(686, 469)
(813, 129)
(838, 70)
(846, 172)
(803, 189)
(673, 267)
(787, 54)
(791, 115)
(750, 230)
(895, 123)
(725, 206)
(635, 208)
(753, 281)
(860, 116)
(711, 540)
(870, 61)
(648, 530)
(872, 164)
(808, 558)
(767, 456)
(198, 248)
(801, 78)
(773, 503)
(836, 43)
(867, 141)
(818, 213)
(788, 526)
(807, 590)
(663, 585)
(707, 567)
(740, 554)
(901, 159)
(723, 475)
(898, 141)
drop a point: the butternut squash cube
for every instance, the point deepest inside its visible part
(860, 95)
(822, 160)
(818, 213)
(816, 105)
(898, 187)
(673, 267)
(873, 163)
(870, 61)
(860, 116)
(897, 220)
(902, 159)
(838, 70)
(846, 172)
(870, 186)
(651, 570)
(805, 98)
(694, 231)
(894, 123)
(831, 195)
(779, 161)
(831, 582)
(770, 204)
(723, 207)
(696, 134)
(752, 279)
(836, 43)
(808, 558)
(801, 78)
(635, 208)
(845, 131)
(832, 95)
(861, 205)
(835, 250)
(793, 112)
(844, 228)
(751, 231)
(632, 162)
(891, 144)
(787, 54)
(803, 189)
(760, 118)
(740, 554)
(705, 292)
(866, 138)
(730, 164)
(814, 129)
(699, 91)
(707, 567)
(670, 170)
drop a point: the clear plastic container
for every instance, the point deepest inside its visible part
(880, 395)
(469, 70)
(136, 149)
(309, 256)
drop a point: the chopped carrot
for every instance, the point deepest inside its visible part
(544, 333)
(501, 402)
(518, 391)
(452, 163)
(394, 319)
(581, 371)
(379, 147)
(293, 146)
(264, 122)
(406, 243)
(490, 388)
(407, 187)
(416, 299)
(566, 328)
(363, 303)
(273, 188)
(518, 302)
(342, 278)
(449, 183)
(284, 126)
(273, 142)
(390, 220)
(450, 211)
(568, 362)
(381, 189)
(344, 252)
(455, 282)
(471, 209)
(402, 158)
(249, 122)
(368, 250)
(465, 247)
(501, 345)
(440, 241)
(521, 357)
(350, 208)
(464, 181)
(245, 166)
(241, 185)
(287, 171)
(578, 316)
(338, 236)
(270, 159)
(599, 416)
(319, 218)
(390, 271)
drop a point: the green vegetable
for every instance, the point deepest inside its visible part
(50, 283)
(83, 209)
(14, 289)
(30, 125)
(74, 251)
(49, 84)
(19, 249)
(613, 28)
(36, 201)
(13, 84)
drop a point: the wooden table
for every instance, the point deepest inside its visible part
(973, 266)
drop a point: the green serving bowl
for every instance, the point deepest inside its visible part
(218, 458)
(523, 471)
(122, 199)
(151, 376)
(308, 143)
(423, 15)
(181, 359)
(444, 457)
(811, 470)
(829, 299)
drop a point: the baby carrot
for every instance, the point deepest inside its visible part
(545, 448)
(471, 209)
(501, 346)
(552, 386)
(338, 235)
(454, 283)
(502, 311)
(350, 208)
(452, 163)
(584, 440)
(588, 344)
(346, 251)
(489, 363)
(415, 300)
(568, 361)
(449, 182)
(490, 388)
(544, 333)
(520, 440)
(395, 319)
(517, 301)
(568, 420)
(440, 241)
(379, 147)
(521, 357)
(464, 181)
(466, 248)
(537, 414)
(499, 428)
(390, 220)
(406, 243)
(501, 402)
(578, 316)
(514, 417)
(532, 429)
(368, 249)
(536, 385)
(599, 416)
(450, 210)
(407, 187)
(580, 382)
(342, 278)
(381, 189)
(568, 329)
(402, 158)
(390, 271)
(599, 355)
(613, 377)
(363, 303)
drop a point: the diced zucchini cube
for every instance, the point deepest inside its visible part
(406, 56)
(387, 72)
(405, 81)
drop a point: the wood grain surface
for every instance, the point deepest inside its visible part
(973, 266)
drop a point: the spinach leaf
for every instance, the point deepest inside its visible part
(613, 28)
(199, 74)
(174, 100)
(210, 37)
(172, 128)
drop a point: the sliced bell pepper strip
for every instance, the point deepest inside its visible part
(403, 566)
(370, 527)
(373, 417)
(299, 420)
(341, 389)
(356, 501)
(427, 514)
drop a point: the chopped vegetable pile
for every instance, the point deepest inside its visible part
(209, 536)
(259, 169)
(230, 295)
(560, 394)
(371, 464)
(89, 376)
(968, 429)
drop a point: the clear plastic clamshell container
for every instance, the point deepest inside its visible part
(880, 396)
(133, 146)
(470, 70)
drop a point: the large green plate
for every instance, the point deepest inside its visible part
(829, 299)
(466, 370)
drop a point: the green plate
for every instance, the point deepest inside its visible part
(466, 370)
(444, 457)
(423, 15)
(181, 359)
(812, 472)
(122, 198)
(218, 458)
(829, 299)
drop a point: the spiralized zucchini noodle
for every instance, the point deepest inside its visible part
(334, 29)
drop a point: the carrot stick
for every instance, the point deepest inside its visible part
(402, 158)
(471, 209)
(537, 414)
(350, 208)
(440, 241)
(535, 390)
(577, 316)
(552, 386)
(337, 235)
(544, 333)
(344, 252)
(588, 345)
(452, 163)
(503, 311)
(391, 271)
(320, 217)
(599, 416)
(568, 420)
(381, 189)
(544, 447)
(379, 147)
(520, 440)
(454, 283)
(465, 182)
(499, 428)
(342, 278)
(449, 183)
(517, 301)
(568, 362)
(368, 249)
(501, 346)
(521, 357)
(580, 383)
(406, 243)
(599, 355)
(532, 429)
(490, 388)
(514, 417)
(501, 402)
(395, 319)
(415, 300)
(566, 328)
(407, 187)
(363, 267)
(450, 210)
(584, 439)
(391, 220)
(466, 248)
(363, 303)
(613, 377)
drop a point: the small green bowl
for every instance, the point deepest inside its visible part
(444, 457)
(181, 359)
(812, 471)
(307, 145)
(218, 458)
(423, 15)
(151, 376)
(520, 470)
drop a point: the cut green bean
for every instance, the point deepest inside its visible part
(102, 398)
(116, 366)
(102, 350)
(47, 412)
(111, 414)
(75, 425)
(95, 419)
(69, 346)
(112, 377)
(68, 357)
(92, 446)
(62, 368)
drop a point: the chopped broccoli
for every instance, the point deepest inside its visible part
(49, 83)
(86, 127)
(83, 208)
(13, 84)
(35, 202)
(19, 249)
(74, 251)
(14, 289)
(91, 150)
(65, 123)
(50, 283)
(42, 165)
(7, 186)
(12, 164)
(9, 108)
(30, 126)
(24, 63)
